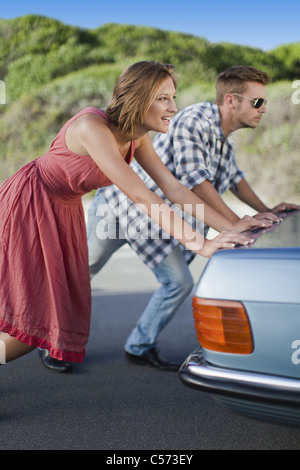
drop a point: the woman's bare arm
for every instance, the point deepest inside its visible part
(97, 139)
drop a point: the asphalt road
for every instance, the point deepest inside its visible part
(112, 405)
(109, 404)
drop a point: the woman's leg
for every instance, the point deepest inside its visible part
(11, 348)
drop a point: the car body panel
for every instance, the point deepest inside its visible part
(266, 279)
(243, 276)
(268, 270)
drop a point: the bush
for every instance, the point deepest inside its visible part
(30, 124)
(52, 70)
(270, 154)
(289, 55)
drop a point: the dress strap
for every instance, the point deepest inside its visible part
(92, 110)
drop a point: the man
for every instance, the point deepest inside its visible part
(198, 149)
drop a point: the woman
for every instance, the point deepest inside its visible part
(45, 293)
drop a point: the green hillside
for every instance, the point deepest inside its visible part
(52, 70)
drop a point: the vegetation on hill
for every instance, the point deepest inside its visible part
(52, 70)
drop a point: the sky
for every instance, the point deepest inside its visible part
(264, 24)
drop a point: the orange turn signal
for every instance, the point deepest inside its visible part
(223, 326)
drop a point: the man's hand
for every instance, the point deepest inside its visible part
(283, 206)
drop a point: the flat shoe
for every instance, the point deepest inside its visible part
(152, 358)
(53, 364)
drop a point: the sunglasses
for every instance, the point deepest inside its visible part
(257, 102)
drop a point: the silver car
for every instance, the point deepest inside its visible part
(247, 318)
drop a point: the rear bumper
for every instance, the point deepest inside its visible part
(197, 373)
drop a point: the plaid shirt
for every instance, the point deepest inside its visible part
(194, 150)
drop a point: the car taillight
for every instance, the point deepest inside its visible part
(222, 326)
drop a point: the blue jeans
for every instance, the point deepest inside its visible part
(172, 273)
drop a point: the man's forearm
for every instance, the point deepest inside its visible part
(211, 197)
(247, 195)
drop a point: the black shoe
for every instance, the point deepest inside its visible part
(151, 358)
(54, 364)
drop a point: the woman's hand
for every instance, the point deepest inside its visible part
(260, 220)
(225, 240)
(268, 217)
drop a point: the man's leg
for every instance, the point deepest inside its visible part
(176, 284)
(103, 234)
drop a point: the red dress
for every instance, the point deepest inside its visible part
(45, 293)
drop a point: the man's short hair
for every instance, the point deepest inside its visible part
(234, 80)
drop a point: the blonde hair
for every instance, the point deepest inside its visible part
(134, 93)
(234, 80)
